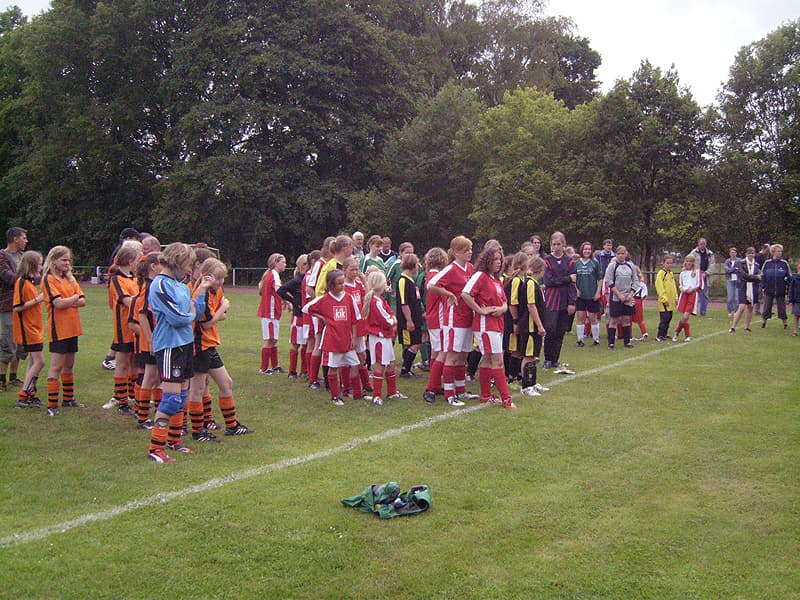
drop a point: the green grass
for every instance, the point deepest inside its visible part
(673, 476)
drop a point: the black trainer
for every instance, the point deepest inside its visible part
(205, 436)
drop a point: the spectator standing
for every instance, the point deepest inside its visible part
(358, 246)
(749, 276)
(775, 276)
(704, 261)
(10, 355)
(761, 258)
(560, 296)
(731, 278)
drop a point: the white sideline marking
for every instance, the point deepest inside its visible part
(164, 497)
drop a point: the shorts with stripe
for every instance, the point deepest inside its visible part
(340, 359)
(457, 339)
(436, 339)
(409, 338)
(270, 328)
(529, 343)
(381, 350)
(489, 342)
(299, 335)
(175, 364)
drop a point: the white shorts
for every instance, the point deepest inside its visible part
(270, 328)
(299, 332)
(457, 339)
(436, 337)
(317, 326)
(489, 342)
(360, 345)
(340, 359)
(381, 350)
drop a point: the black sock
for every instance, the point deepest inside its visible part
(626, 333)
(529, 375)
(2, 378)
(12, 376)
(612, 334)
(408, 359)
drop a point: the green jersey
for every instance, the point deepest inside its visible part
(587, 274)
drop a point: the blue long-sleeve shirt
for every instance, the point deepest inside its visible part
(171, 302)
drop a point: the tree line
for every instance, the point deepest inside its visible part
(264, 126)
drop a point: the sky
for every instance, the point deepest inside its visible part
(700, 37)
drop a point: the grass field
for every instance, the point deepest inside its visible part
(666, 471)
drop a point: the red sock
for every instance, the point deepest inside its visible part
(344, 377)
(264, 359)
(485, 377)
(363, 373)
(355, 381)
(501, 383)
(449, 377)
(274, 351)
(687, 329)
(460, 378)
(435, 376)
(303, 360)
(678, 329)
(313, 371)
(377, 384)
(293, 360)
(391, 383)
(333, 382)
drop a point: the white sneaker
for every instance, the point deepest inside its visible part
(109, 365)
(540, 388)
(644, 337)
(675, 338)
(377, 401)
(688, 339)
(112, 403)
(530, 391)
(454, 401)
(467, 396)
(398, 396)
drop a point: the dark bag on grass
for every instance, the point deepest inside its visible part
(387, 501)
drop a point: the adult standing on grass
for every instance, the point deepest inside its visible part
(775, 276)
(16, 239)
(731, 278)
(749, 279)
(704, 261)
(559, 296)
(761, 258)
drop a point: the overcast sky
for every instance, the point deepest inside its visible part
(700, 37)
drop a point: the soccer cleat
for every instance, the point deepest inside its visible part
(454, 401)
(644, 337)
(18, 384)
(627, 345)
(265, 371)
(611, 346)
(530, 391)
(675, 338)
(659, 338)
(35, 402)
(23, 403)
(292, 375)
(160, 456)
(547, 364)
(53, 412)
(464, 396)
(178, 447)
(278, 369)
(205, 436)
(748, 329)
(126, 410)
(337, 401)
(581, 344)
(423, 366)
(509, 403)
(596, 343)
(239, 429)
(540, 388)
(688, 339)
(112, 403)
(211, 425)
(109, 364)
(302, 375)
(492, 399)
(732, 330)
(429, 396)
(563, 368)
(146, 424)
(73, 404)
(398, 396)
(377, 401)
(409, 375)
(314, 385)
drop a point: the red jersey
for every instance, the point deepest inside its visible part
(380, 320)
(453, 278)
(357, 290)
(486, 291)
(340, 314)
(434, 305)
(271, 305)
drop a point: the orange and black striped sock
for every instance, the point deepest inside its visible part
(158, 394)
(133, 385)
(143, 404)
(52, 393)
(207, 414)
(121, 389)
(228, 408)
(158, 438)
(68, 387)
(175, 428)
(195, 408)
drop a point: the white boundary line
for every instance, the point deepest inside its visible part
(34, 535)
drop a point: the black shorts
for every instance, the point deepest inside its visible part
(207, 360)
(529, 343)
(593, 306)
(124, 347)
(410, 338)
(620, 309)
(67, 346)
(175, 364)
(141, 359)
(26, 348)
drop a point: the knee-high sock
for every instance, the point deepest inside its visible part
(175, 428)
(292, 361)
(333, 382)
(461, 378)
(501, 383)
(158, 438)
(68, 387)
(448, 376)
(228, 408)
(377, 384)
(485, 378)
(52, 393)
(391, 383)
(435, 376)
(264, 359)
(196, 414)
(207, 413)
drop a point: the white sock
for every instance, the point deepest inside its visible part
(596, 332)
(579, 331)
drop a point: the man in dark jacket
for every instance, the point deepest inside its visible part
(775, 276)
(17, 239)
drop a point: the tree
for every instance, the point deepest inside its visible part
(760, 126)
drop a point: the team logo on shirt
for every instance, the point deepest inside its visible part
(339, 313)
